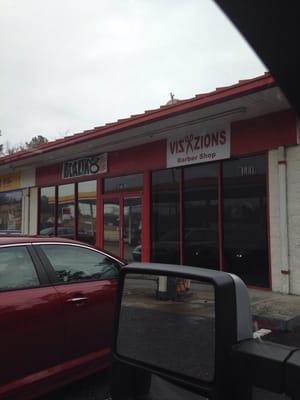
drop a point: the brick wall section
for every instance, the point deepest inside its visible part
(293, 182)
(274, 220)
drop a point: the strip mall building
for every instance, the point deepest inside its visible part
(213, 181)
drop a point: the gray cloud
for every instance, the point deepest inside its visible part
(69, 65)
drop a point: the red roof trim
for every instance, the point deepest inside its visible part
(200, 100)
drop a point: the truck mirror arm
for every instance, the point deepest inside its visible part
(270, 366)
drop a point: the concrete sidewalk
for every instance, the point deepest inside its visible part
(275, 311)
(270, 310)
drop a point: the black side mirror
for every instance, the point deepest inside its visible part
(184, 336)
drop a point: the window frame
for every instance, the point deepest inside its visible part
(76, 208)
(264, 155)
(123, 190)
(37, 265)
(78, 200)
(51, 271)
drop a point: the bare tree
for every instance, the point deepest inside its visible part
(1, 145)
(8, 148)
(13, 148)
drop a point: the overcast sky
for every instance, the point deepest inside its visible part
(70, 65)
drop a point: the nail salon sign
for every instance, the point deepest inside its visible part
(198, 146)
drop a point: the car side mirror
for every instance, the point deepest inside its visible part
(178, 323)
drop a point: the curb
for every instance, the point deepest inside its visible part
(276, 324)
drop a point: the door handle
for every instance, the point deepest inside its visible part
(77, 299)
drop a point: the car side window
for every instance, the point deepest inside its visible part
(17, 270)
(74, 263)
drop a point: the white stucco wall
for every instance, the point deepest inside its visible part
(25, 208)
(29, 211)
(29, 202)
(274, 220)
(293, 204)
(27, 178)
(293, 195)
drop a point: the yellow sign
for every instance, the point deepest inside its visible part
(10, 181)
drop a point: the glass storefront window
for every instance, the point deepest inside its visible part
(123, 183)
(86, 227)
(111, 226)
(132, 227)
(165, 216)
(244, 219)
(11, 211)
(201, 216)
(239, 222)
(66, 211)
(47, 211)
(57, 215)
(188, 224)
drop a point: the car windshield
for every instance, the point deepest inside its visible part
(151, 131)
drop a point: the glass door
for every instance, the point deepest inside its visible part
(112, 226)
(122, 226)
(132, 244)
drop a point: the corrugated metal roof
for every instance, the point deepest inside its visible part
(200, 100)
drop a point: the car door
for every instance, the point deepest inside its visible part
(86, 281)
(30, 319)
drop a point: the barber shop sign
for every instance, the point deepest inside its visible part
(207, 144)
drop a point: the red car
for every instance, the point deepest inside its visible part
(56, 313)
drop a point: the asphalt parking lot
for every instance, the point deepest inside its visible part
(94, 387)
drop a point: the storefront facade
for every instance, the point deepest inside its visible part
(191, 184)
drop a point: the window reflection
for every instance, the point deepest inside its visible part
(87, 212)
(73, 264)
(201, 216)
(123, 183)
(47, 211)
(187, 321)
(11, 211)
(132, 228)
(66, 211)
(244, 219)
(16, 269)
(111, 226)
(165, 216)
(242, 222)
